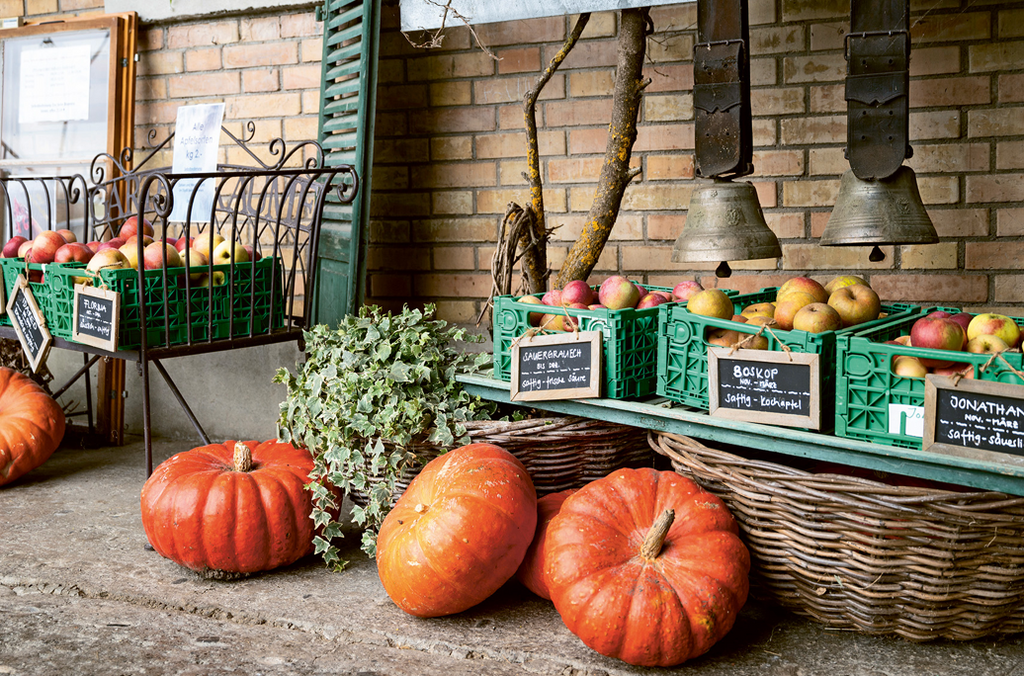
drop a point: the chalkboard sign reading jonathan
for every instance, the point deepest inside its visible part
(974, 418)
(556, 366)
(780, 388)
(28, 323)
(96, 317)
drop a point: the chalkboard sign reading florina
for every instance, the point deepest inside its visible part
(556, 366)
(96, 316)
(28, 323)
(780, 388)
(974, 418)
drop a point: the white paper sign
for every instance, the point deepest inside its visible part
(196, 137)
(914, 420)
(54, 84)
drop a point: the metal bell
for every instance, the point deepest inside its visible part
(883, 211)
(725, 223)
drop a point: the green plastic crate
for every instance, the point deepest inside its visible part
(874, 404)
(629, 342)
(41, 291)
(683, 348)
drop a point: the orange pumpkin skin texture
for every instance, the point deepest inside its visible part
(531, 570)
(202, 513)
(31, 425)
(647, 611)
(458, 533)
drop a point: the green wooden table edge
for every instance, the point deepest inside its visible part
(663, 415)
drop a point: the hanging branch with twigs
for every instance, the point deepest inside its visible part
(437, 37)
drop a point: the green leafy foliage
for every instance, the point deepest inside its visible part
(366, 393)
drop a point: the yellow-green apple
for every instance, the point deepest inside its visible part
(986, 344)
(817, 318)
(577, 291)
(218, 279)
(24, 248)
(552, 322)
(711, 303)
(752, 341)
(534, 317)
(937, 333)
(73, 252)
(856, 304)
(205, 244)
(988, 324)
(226, 253)
(844, 280)
(761, 320)
(107, 258)
(67, 235)
(552, 297)
(12, 246)
(44, 247)
(762, 309)
(155, 252)
(908, 367)
(197, 259)
(131, 253)
(617, 293)
(572, 322)
(804, 284)
(723, 337)
(652, 299)
(131, 227)
(786, 309)
(685, 289)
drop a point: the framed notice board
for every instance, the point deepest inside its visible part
(557, 366)
(974, 419)
(776, 388)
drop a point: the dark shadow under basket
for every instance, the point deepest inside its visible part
(855, 554)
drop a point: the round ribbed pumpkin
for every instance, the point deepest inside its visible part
(646, 567)
(531, 570)
(458, 532)
(31, 425)
(237, 507)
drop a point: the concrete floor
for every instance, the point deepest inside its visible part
(81, 593)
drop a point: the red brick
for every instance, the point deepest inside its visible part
(951, 91)
(206, 84)
(447, 66)
(591, 83)
(995, 188)
(1000, 255)
(586, 54)
(813, 130)
(453, 120)
(806, 10)
(1011, 88)
(668, 167)
(457, 93)
(828, 99)
(934, 61)
(521, 32)
(668, 108)
(573, 114)
(300, 25)
(390, 285)
(931, 288)
(935, 125)
(828, 35)
(663, 137)
(252, 55)
(203, 59)
(1009, 289)
(1010, 222)
(960, 223)
(778, 163)
(666, 78)
(519, 60)
(457, 285)
(150, 38)
(454, 258)
(816, 68)
(389, 232)
(260, 29)
(777, 40)
(261, 80)
(956, 27)
(401, 97)
(775, 102)
(401, 259)
(302, 77)
(401, 150)
(995, 56)
(665, 226)
(677, 47)
(575, 170)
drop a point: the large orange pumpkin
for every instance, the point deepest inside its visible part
(458, 532)
(238, 507)
(531, 570)
(31, 425)
(646, 567)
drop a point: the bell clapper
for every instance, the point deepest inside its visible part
(876, 255)
(723, 271)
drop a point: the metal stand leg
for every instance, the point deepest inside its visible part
(184, 404)
(147, 432)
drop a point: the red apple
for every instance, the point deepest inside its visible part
(667, 295)
(596, 306)
(73, 252)
(937, 333)
(640, 289)
(154, 253)
(992, 324)
(686, 289)
(254, 254)
(817, 318)
(577, 291)
(131, 227)
(12, 246)
(651, 300)
(67, 235)
(963, 319)
(183, 243)
(552, 297)
(44, 247)
(617, 293)
(940, 314)
(787, 307)
(856, 304)
(956, 369)
(711, 303)
(24, 248)
(94, 245)
(804, 284)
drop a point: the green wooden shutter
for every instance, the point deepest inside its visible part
(348, 93)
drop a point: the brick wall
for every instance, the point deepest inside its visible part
(450, 152)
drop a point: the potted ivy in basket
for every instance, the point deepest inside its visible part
(374, 401)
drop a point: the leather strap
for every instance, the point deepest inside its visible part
(877, 86)
(721, 90)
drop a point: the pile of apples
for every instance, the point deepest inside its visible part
(985, 333)
(62, 246)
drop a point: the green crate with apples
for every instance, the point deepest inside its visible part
(629, 339)
(684, 338)
(35, 274)
(880, 382)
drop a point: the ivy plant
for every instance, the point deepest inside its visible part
(366, 393)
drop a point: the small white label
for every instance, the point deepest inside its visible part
(914, 415)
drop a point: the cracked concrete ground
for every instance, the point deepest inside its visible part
(81, 592)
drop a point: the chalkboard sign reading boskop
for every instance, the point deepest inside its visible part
(556, 366)
(779, 388)
(28, 323)
(973, 418)
(96, 315)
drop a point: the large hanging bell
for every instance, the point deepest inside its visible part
(725, 223)
(882, 211)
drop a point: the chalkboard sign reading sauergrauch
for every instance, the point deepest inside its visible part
(973, 417)
(96, 316)
(780, 388)
(28, 323)
(559, 366)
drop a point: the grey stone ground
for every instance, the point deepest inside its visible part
(81, 594)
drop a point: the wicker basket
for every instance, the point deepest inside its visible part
(559, 453)
(861, 555)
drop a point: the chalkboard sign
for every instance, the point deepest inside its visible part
(96, 317)
(28, 323)
(556, 366)
(974, 418)
(778, 388)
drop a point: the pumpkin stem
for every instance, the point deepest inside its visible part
(242, 457)
(656, 535)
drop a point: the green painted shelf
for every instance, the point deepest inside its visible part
(660, 414)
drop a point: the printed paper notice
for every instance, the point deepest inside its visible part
(54, 84)
(196, 136)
